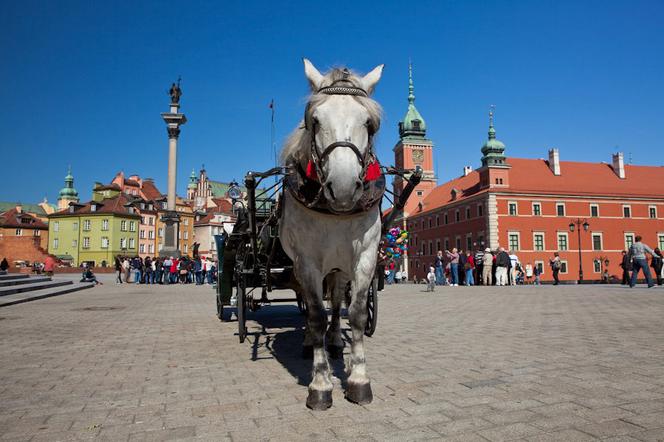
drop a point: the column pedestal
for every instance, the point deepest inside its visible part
(171, 219)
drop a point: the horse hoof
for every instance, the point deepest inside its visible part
(308, 351)
(335, 351)
(319, 400)
(359, 393)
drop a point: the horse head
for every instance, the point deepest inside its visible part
(340, 121)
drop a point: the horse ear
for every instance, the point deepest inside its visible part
(370, 80)
(315, 78)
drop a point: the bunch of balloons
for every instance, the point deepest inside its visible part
(396, 242)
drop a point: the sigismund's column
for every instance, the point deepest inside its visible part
(173, 119)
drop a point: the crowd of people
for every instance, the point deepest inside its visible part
(501, 267)
(169, 270)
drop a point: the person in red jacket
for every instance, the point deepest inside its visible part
(469, 267)
(174, 270)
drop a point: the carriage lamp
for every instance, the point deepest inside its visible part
(576, 225)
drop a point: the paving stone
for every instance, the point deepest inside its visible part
(511, 431)
(610, 428)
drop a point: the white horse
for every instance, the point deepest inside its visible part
(330, 225)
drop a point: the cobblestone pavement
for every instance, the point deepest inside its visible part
(524, 363)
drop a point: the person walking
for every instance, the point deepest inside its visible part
(173, 271)
(537, 273)
(453, 256)
(439, 265)
(470, 268)
(198, 271)
(638, 252)
(502, 266)
(147, 265)
(487, 267)
(556, 264)
(656, 264)
(391, 266)
(462, 268)
(514, 265)
(4, 265)
(479, 264)
(529, 273)
(431, 279)
(126, 267)
(118, 268)
(49, 265)
(626, 266)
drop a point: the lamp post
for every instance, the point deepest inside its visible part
(578, 223)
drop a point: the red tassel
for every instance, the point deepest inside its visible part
(311, 171)
(373, 171)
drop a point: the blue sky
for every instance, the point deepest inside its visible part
(83, 83)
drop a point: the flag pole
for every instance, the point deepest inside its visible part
(272, 144)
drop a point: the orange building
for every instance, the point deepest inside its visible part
(529, 205)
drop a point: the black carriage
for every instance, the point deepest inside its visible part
(252, 262)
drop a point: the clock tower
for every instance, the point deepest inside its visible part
(414, 149)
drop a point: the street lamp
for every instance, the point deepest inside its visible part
(578, 223)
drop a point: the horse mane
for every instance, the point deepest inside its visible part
(296, 147)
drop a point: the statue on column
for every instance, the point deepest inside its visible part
(175, 92)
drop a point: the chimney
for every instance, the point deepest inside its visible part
(554, 161)
(19, 208)
(467, 170)
(619, 164)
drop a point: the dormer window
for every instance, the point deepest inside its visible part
(416, 124)
(93, 208)
(454, 193)
(71, 209)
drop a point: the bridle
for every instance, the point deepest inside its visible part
(368, 162)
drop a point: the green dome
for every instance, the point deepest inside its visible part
(493, 149)
(412, 124)
(68, 191)
(193, 180)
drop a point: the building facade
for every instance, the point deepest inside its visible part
(528, 206)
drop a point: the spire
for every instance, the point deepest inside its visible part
(493, 150)
(411, 88)
(193, 180)
(412, 124)
(492, 131)
(68, 192)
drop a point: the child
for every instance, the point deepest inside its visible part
(431, 279)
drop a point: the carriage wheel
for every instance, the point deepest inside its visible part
(241, 309)
(372, 308)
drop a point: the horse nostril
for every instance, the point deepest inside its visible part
(329, 189)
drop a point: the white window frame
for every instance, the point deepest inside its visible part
(74, 243)
(625, 235)
(595, 205)
(150, 234)
(516, 208)
(141, 248)
(652, 207)
(564, 209)
(150, 248)
(123, 243)
(558, 235)
(595, 262)
(468, 212)
(132, 226)
(141, 234)
(629, 207)
(18, 231)
(132, 243)
(104, 242)
(536, 263)
(457, 216)
(592, 241)
(660, 241)
(123, 225)
(543, 241)
(480, 210)
(104, 224)
(538, 204)
(86, 242)
(56, 243)
(564, 265)
(87, 225)
(518, 240)
(56, 226)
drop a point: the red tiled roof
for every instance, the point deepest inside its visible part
(223, 205)
(13, 218)
(576, 178)
(114, 206)
(150, 190)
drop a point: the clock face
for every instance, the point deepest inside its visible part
(234, 193)
(418, 156)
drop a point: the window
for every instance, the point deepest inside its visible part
(132, 243)
(447, 243)
(151, 248)
(93, 207)
(86, 225)
(512, 208)
(179, 234)
(132, 226)
(563, 266)
(627, 211)
(56, 242)
(37, 232)
(86, 242)
(141, 248)
(430, 223)
(467, 212)
(186, 248)
(430, 248)
(161, 231)
(562, 241)
(150, 220)
(597, 241)
(660, 240)
(469, 242)
(186, 221)
(629, 240)
(652, 212)
(420, 193)
(19, 232)
(142, 217)
(437, 221)
(458, 243)
(104, 242)
(538, 241)
(150, 234)
(456, 216)
(56, 226)
(594, 210)
(437, 245)
(141, 234)
(537, 209)
(123, 243)
(74, 243)
(186, 234)
(123, 225)
(74, 227)
(597, 266)
(513, 241)
(104, 224)
(560, 209)
(540, 266)
(445, 218)
(480, 210)
(424, 249)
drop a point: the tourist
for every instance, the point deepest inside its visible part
(439, 264)
(487, 267)
(147, 265)
(656, 264)
(502, 267)
(529, 272)
(137, 265)
(431, 279)
(391, 270)
(470, 268)
(118, 269)
(173, 271)
(626, 265)
(454, 266)
(4, 265)
(153, 264)
(556, 264)
(89, 276)
(537, 272)
(49, 265)
(479, 265)
(638, 251)
(127, 268)
(514, 266)
(462, 268)
(212, 273)
(198, 271)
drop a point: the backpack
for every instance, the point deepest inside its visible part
(556, 264)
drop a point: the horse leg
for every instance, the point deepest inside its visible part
(333, 340)
(358, 386)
